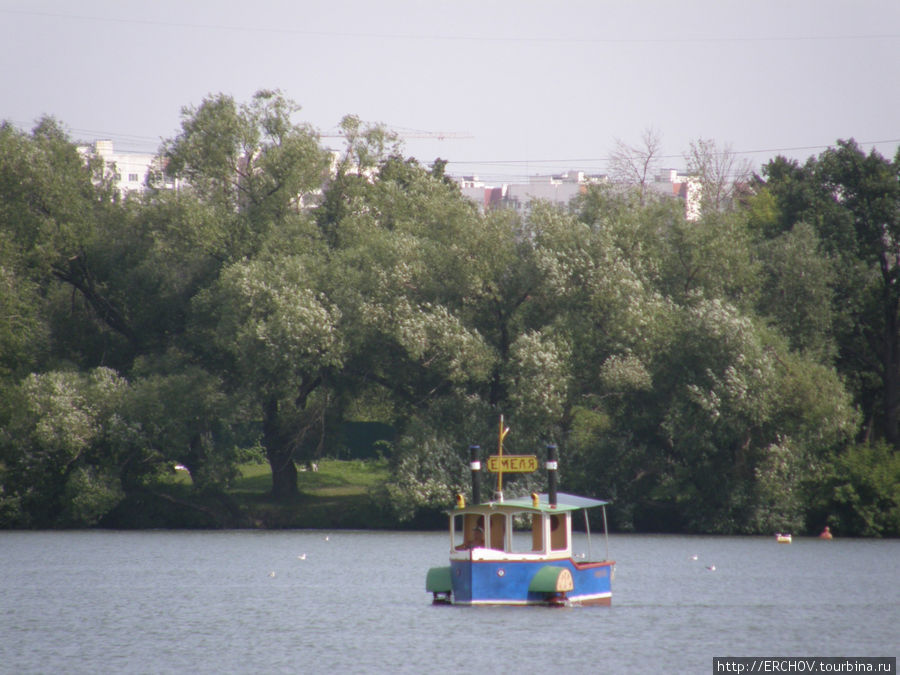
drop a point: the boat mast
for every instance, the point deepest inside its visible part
(498, 495)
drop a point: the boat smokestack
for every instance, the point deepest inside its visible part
(475, 465)
(551, 465)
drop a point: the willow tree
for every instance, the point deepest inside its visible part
(686, 406)
(399, 270)
(66, 450)
(851, 200)
(255, 168)
(61, 216)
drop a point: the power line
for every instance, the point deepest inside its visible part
(587, 164)
(590, 160)
(568, 40)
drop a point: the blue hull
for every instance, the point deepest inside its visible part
(506, 582)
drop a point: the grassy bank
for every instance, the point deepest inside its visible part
(338, 495)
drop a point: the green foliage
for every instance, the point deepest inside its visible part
(797, 290)
(780, 500)
(274, 326)
(850, 205)
(711, 257)
(251, 163)
(24, 333)
(185, 414)
(58, 448)
(859, 493)
(691, 414)
(245, 152)
(367, 146)
(538, 383)
(429, 461)
(707, 375)
(90, 494)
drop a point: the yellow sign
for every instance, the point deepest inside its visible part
(512, 463)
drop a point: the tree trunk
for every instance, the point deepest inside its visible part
(891, 351)
(891, 380)
(279, 454)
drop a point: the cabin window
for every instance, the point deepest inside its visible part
(498, 531)
(537, 532)
(518, 534)
(559, 531)
(559, 540)
(457, 529)
(468, 531)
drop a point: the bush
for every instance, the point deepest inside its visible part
(860, 494)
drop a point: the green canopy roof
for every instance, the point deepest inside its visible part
(564, 502)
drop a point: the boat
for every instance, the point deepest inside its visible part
(783, 538)
(519, 551)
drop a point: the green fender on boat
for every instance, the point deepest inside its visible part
(552, 579)
(438, 580)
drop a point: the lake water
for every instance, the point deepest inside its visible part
(245, 601)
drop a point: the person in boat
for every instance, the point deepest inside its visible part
(477, 540)
(826, 533)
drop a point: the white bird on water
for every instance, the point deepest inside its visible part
(271, 574)
(711, 568)
(694, 557)
(327, 537)
(302, 556)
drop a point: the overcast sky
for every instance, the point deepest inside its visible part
(519, 87)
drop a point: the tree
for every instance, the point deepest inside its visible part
(278, 339)
(64, 463)
(403, 267)
(867, 193)
(62, 213)
(711, 257)
(637, 165)
(251, 162)
(108, 282)
(367, 149)
(255, 168)
(186, 415)
(797, 294)
(721, 173)
(682, 405)
(852, 200)
(859, 492)
(367, 146)
(24, 333)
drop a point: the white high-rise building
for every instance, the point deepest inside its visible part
(131, 169)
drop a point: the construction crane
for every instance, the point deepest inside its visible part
(411, 133)
(439, 135)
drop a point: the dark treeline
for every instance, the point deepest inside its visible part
(737, 373)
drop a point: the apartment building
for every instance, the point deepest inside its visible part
(562, 188)
(130, 169)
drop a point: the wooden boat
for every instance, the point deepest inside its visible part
(519, 551)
